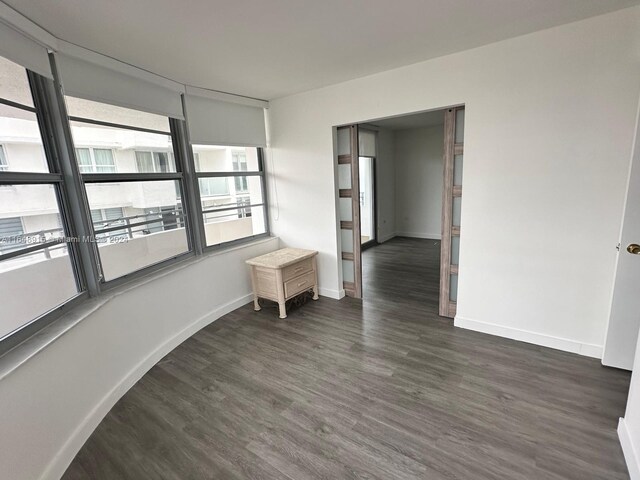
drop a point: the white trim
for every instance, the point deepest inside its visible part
(428, 236)
(386, 238)
(26, 27)
(226, 97)
(559, 343)
(330, 293)
(89, 56)
(68, 451)
(629, 451)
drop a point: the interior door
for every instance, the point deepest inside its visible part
(624, 318)
(349, 209)
(451, 210)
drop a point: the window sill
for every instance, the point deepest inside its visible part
(20, 354)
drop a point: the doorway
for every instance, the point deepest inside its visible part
(407, 174)
(367, 202)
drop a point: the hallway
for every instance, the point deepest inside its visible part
(378, 389)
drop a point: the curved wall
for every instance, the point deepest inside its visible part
(52, 401)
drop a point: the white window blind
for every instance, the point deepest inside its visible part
(216, 120)
(24, 51)
(92, 76)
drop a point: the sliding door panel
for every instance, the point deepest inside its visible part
(349, 210)
(451, 210)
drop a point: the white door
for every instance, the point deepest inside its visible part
(624, 319)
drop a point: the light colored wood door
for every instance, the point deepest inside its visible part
(349, 209)
(451, 209)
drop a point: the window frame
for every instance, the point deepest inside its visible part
(123, 177)
(235, 174)
(69, 185)
(41, 90)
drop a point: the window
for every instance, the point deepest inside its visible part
(95, 160)
(37, 272)
(137, 221)
(4, 166)
(239, 160)
(231, 186)
(61, 241)
(155, 162)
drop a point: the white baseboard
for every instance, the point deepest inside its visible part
(386, 238)
(71, 447)
(327, 292)
(565, 344)
(427, 236)
(630, 456)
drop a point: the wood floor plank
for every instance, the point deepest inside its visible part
(381, 388)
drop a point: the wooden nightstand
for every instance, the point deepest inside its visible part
(282, 275)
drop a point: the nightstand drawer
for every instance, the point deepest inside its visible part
(297, 269)
(299, 284)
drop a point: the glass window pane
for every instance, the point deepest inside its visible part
(460, 126)
(453, 288)
(47, 272)
(163, 162)
(120, 149)
(344, 141)
(4, 166)
(214, 186)
(344, 176)
(30, 216)
(104, 160)
(216, 158)
(228, 225)
(347, 240)
(83, 156)
(142, 223)
(345, 209)
(231, 190)
(348, 271)
(20, 141)
(14, 84)
(457, 211)
(78, 107)
(457, 169)
(455, 250)
(144, 162)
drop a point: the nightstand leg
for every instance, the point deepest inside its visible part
(314, 263)
(283, 310)
(256, 304)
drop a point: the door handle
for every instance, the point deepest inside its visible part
(634, 248)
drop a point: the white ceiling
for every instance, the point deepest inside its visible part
(416, 120)
(272, 48)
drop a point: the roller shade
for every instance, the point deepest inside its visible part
(215, 120)
(92, 76)
(22, 50)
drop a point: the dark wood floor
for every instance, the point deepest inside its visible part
(379, 389)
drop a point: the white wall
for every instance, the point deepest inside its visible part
(549, 126)
(419, 169)
(385, 186)
(50, 404)
(629, 426)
